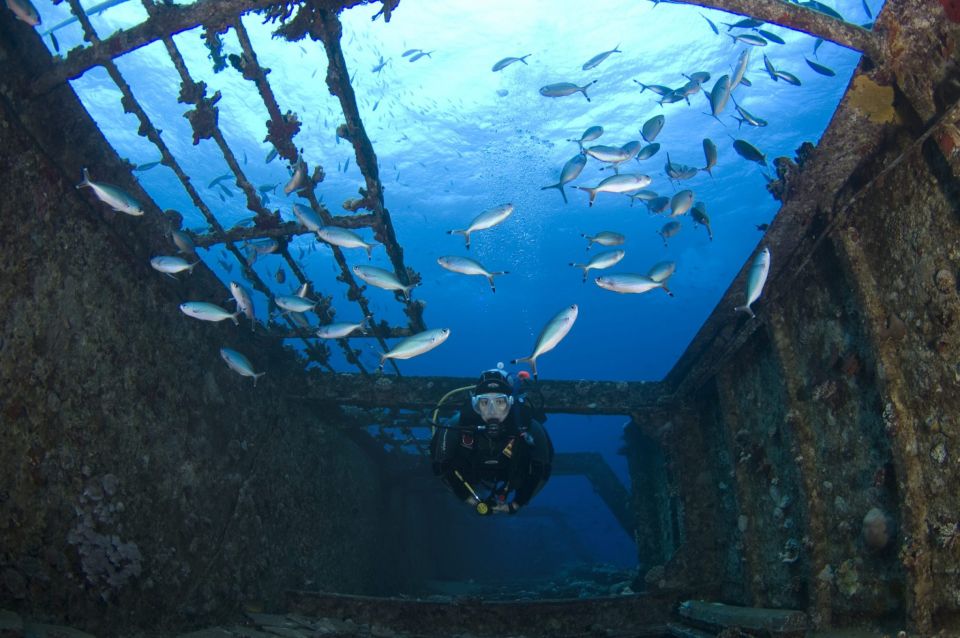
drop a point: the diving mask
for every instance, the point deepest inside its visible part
(492, 407)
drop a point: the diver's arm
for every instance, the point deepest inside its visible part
(538, 471)
(448, 460)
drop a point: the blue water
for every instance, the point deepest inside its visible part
(454, 138)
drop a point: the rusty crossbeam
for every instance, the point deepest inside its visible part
(147, 129)
(285, 230)
(799, 18)
(418, 393)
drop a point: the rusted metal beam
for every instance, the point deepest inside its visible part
(793, 16)
(168, 19)
(285, 230)
(569, 397)
(594, 467)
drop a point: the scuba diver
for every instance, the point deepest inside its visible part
(496, 444)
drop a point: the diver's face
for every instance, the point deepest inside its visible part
(492, 408)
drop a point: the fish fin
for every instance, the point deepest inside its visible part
(86, 179)
(665, 289)
(234, 316)
(531, 360)
(524, 58)
(370, 248)
(365, 324)
(191, 267)
(747, 309)
(708, 169)
(256, 376)
(591, 191)
(559, 187)
(643, 87)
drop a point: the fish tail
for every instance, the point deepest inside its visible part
(193, 265)
(364, 325)
(524, 58)
(559, 187)
(591, 191)
(708, 170)
(370, 248)
(531, 360)
(86, 179)
(643, 87)
(493, 287)
(256, 376)
(234, 316)
(710, 233)
(583, 89)
(665, 289)
(747, 309)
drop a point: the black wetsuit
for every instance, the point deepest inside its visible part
(517, 459)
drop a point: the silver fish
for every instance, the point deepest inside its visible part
(342, 330)
(467, 266)
(788, 77)
(681, 203)
(562, 89)
(719, 96)
(600, 57)
(505, 62)
(606, 153)
(344, 238)
(589, 135)
(294, 303)
(748, 151)
(147, 166)
(244, 301)
(771, 37)
(112, 196)
(172, 265)
(486, 219)
(770, 69)
(710, 22)
(555, 330)
(658, 204)
(740, 69)
(819, 68)
(240, 364)
(648, 151)
(599, 261)
(669, 230)
(699, 77)
(756, 278)
(207, 311)
(306, 216)
(642, 196)
(218, 179)
(630, 283)
(415, 345)
(746, 116)
(652, 127)
(748, 38)
(659, 89)
(569, 172)
(604, 238)
(699, 212)
(710, 155)
(745, 23)
(25, 11)
(382, 279)
(183, 241)
(299, 178)
(379, 66)
(625, 183)
(271, 155)
(662, 270)
(417, 56)
(410, 52)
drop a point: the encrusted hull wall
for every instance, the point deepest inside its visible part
(143, 483)
(839, 413)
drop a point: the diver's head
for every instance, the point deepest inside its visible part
(492, 397)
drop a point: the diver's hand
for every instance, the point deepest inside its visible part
(472, 502)
(501, 508)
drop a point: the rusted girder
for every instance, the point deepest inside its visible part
(168, 19)
(593, 466)
(569, 397)
(798, 18)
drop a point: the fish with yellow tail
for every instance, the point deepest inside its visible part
(486, 219)
(555, 330)
(240, 364)
(756, 278)
(416, 345)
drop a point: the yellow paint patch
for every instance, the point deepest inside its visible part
(873, 100)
